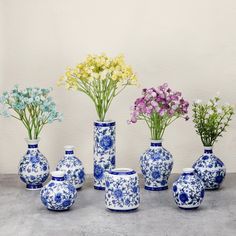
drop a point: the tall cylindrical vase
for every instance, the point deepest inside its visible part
(33, 167)
(104, 151)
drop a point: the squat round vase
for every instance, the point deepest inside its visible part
(188, 190)
(122, 190)
(210, 169)
(104, 151)
(58, 194)
(72, 167)
(33, 167)
(156, 165)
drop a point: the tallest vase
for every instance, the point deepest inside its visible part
(104, 151)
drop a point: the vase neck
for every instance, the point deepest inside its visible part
(58, 176)
(156, 143)
(32, 144)
(208, 150)
(69, 150)
(188, 171)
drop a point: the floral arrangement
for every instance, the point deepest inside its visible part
(159, 107)
(32, 106)
(211, 119)
(100, 77)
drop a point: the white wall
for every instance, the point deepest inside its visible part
(189, 44)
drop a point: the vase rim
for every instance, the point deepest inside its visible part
(105, 121)
(188, 170)
(69, 147)
(122, 171)
(32, 141)
(156, 141)
(208, 147)
(58, 174)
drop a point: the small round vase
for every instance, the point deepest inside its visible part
(104, 151)
(122, 190)
(72, 167)
(188, 190)
(210, 169)
(58, 194)
(33, 167)
(156, 165)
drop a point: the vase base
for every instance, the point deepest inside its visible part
(155, 188)
(212, 189)
(127, 210)
(58, 210)
(99, 188)
(190, 208)
(33, 186)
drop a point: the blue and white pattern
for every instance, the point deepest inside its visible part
(104, 151)
(72, 167)
(58, 194)
(122, 190)
(33, 167)
(210, 169)
(156, 165)
(188, 190)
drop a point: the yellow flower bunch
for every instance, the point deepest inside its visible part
(101, 78)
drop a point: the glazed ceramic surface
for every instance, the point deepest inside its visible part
(156, 165)
(72, 167)
(104, 151)
(210, 169)
(33, 167)
(188, 190)
(58, 194)
(122, 190)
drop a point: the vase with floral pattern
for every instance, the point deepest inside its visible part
(188, 190)
(156, 165)
(104, 151)
(122, 190)
(58, 194)
(72, 167)
(33, 167)
(210, 169)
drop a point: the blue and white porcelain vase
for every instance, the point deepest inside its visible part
(210, 169)
(122, 190)
(72, 167)
(33, 167)
(104, 151)
(58, 194)
(156, 165)
(188, 190)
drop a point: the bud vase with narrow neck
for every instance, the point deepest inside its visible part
(72, 167)
(156, 165)
(33, 167)
(210, 169)
(104, 151)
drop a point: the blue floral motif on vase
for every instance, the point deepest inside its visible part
(122, 191)
(33, 167)
(104, 151)
(210, 169)
(73, 168)
(58, 194)
(188, 190)
(156, 165)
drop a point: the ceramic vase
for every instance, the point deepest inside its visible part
(210, 169)
(58, 194)
(72, 167)
(156, 165)
(104, 151)
(188, 190)
(122, 190)
(33, 167)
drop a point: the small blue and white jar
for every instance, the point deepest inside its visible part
(104, 151)
(122, 190)
(188, 190)
(33, 167)
(156, 165)
(72, 167)
(210, 169)
(58, 194)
